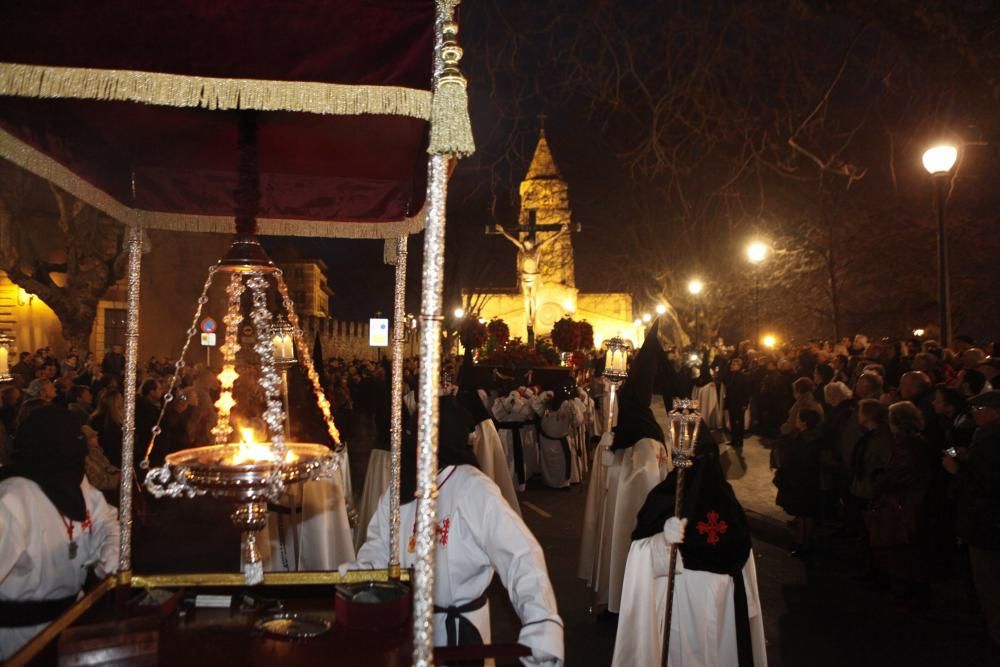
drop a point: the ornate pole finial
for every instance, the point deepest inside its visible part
(451, 128)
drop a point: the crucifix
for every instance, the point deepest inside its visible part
(524, 236)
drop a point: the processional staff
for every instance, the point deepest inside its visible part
(685, 421)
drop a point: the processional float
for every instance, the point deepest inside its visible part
(348, 99)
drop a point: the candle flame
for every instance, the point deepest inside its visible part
(251, 451)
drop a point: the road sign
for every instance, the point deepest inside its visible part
(378, 332)
(209, 326)
(208, 339)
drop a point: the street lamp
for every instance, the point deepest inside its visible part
(938, 161)
(647, 318)
(459, 313)
(769, 341)
(756, 253)
(661, 309)
(695, 287)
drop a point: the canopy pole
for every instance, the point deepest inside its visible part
(396, 423)
(128, 426)
(427, 431)
(445, 145)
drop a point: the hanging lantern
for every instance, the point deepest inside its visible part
(282, 336)
(6, 347)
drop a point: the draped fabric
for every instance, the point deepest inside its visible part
(134, 106)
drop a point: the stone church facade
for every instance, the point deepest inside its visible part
(545, 201)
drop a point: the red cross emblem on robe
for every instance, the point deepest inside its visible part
(440, 532)
(713, 528)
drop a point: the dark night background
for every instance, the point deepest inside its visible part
(674, 126)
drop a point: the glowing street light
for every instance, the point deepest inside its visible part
(646, 318)
(756, 252)
(769, 341)
(661, 309)
(459, 313)
(938, 161)
(918, 333)
(695, 287)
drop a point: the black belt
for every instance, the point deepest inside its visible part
(744, 641)
(564, 441)
(515, 429)
(460, 630)
(23, 613)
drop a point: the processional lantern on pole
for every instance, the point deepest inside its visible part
(685, 423)
(615, 370)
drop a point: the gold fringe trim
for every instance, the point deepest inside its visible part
(29, 158)
(181, 90)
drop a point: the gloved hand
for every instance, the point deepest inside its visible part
(673, 530)
(540, 658)
(343, 569)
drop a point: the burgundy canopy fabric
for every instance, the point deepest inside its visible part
(341, 88)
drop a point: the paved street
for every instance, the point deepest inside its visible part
(815, 614)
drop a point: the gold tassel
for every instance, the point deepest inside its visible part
(451, 128)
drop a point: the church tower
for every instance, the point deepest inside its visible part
(545, 201)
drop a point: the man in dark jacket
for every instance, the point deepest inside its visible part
(739, 389)
(977, 487)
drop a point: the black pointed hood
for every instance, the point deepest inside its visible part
(468, 391)
(635, 419)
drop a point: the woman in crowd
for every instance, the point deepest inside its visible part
(896, 521)
(798, 477)
(107, 421)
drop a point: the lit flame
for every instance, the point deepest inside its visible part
(251, 451)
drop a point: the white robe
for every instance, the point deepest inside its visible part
(377, 479)
(489, 451)
(703, 625)
(317, 538)
(34, 550)
(613, 502)
(559, 465)
(515, 408)
(478, 534)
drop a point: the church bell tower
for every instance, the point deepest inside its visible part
(545, 201)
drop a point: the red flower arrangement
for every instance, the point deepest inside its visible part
(570, 336)
(517, 355)
(499, 333)
(472, 332)
(585, 334)
(565, 336)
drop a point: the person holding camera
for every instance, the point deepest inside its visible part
(977, 490)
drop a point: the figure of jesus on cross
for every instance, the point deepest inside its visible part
(529, 259)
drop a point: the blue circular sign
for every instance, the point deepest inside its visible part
(208, 325)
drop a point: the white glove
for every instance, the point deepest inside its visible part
(673, 530)
(343, 569)
(540, 658)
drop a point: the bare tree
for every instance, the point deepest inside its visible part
(57, 247)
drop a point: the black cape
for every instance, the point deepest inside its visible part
(50, 450)
(635, 419)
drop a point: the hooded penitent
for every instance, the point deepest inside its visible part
(717, 538)
(635, 419)
(454, 425)
(468, 394)
(50, 450)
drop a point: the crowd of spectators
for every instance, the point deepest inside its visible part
(891, 446)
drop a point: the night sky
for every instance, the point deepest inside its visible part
(672, 127)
